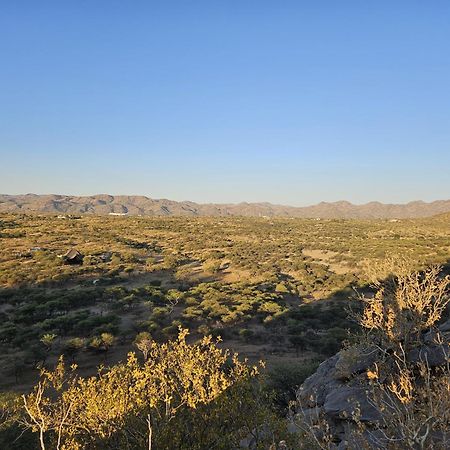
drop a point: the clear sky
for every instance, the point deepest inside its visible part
(292, 102)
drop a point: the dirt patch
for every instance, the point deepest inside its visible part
(325, 257)
(166, 277)
(340, 268)
(320, 255)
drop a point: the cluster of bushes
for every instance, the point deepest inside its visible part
(253, 313)
(196, 396)
(182, 396)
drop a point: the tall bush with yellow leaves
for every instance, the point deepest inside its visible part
(159, 403)
(413, 397)
(406, 303)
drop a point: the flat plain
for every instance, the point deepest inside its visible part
(276, 289)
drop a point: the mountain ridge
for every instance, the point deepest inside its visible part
(104, 204)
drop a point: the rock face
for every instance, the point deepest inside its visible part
(339, 392)
(335, 396)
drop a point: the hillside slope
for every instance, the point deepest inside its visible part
(141, 205)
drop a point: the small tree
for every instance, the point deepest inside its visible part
(132, 405)
(143, 342)
(73, 346)
(298, 341)
(102, 343)
(48, 341)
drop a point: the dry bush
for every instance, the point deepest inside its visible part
(414, 400)
(127, 405)
(406, 303)
(412, 395)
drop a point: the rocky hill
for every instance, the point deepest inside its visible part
(141, 205)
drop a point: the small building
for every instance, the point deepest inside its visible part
(73, 256)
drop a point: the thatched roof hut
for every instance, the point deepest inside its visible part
(73, 256)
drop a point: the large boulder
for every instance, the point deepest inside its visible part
(434, 355)
(340, 395)
(345, 401)
(315, 388)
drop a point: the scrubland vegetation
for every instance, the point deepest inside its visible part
(277, 290)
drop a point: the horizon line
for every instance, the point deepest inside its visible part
(231, 203)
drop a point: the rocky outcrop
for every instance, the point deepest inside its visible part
(339, 393)
(335, 396)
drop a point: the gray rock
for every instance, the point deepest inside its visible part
(344, 402)
(367, 440)
(445, 327)
(310, 416)
(442, 331)
(433, 355)
(316, 387)
(346, 369)
(340, 388)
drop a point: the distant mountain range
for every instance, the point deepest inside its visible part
(139, 205)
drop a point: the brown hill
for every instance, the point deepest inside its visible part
(140, 205)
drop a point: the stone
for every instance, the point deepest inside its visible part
(433, 355)
(349, 365)
(316, 387)
(345, 401)
(340, 390)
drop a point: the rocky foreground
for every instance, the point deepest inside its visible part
(339, 404)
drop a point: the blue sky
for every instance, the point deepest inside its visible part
(226, 101)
